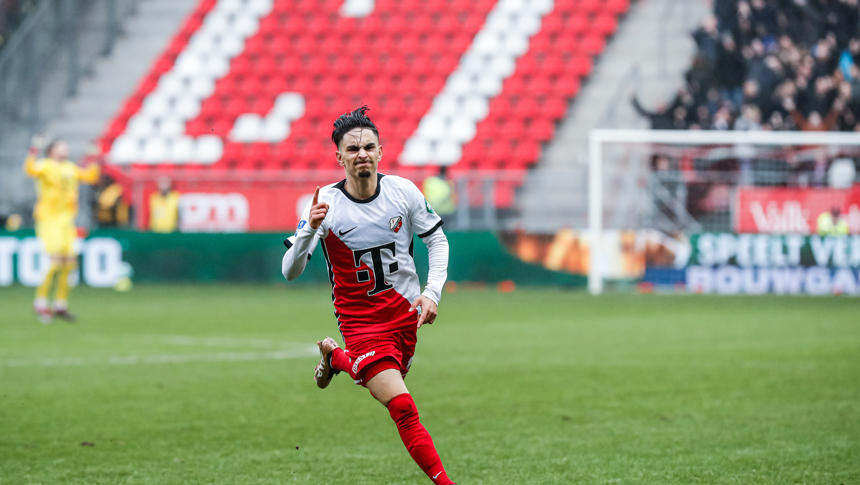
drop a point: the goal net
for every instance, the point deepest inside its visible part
(724, 212)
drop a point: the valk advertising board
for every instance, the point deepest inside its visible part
(725, 263)
(793, 211)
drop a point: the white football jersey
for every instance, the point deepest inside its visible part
(368, 247)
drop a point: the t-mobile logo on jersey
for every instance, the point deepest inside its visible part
(378, 269)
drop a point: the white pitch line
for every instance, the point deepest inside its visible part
(216, 341)
(161, 359)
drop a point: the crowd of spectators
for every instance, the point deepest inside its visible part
(771, 65)
(12, 12)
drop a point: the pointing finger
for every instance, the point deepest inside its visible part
(316, 197)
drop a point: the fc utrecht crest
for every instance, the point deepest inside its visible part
(395, 223)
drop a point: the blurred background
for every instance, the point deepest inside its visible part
(214, 116)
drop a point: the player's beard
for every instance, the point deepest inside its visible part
(365, 171)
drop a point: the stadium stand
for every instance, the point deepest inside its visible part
(254, 85)
(771, 65)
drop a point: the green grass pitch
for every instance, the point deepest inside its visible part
(213, 384)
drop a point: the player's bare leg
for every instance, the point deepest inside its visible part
(389, 389)
(324, 371)
(61, 300)
(40, 304)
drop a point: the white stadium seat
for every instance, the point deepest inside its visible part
(487, 43)
(217, 20)
(154, 150)
(357, 8)
(528, 24)
(181, 150)
(503, 65)
(209, 149)
(476, 107)
(141, 125)
(275, 129)
(460, 84)
(245, 25)
(290, 106)
(201, 87)
(432, 127)
(171, 84)
(490, 84)
(447, 105)
(415, 152)
(216, 66)
(516, 45)
(171, 127)
(188, 63)
(248, 128)
(542, 7)
(125, 149)
(187, 107)
(231, 6)
(447, 153)
(462, 129)
(259, 7)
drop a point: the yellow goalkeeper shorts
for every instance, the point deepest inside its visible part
(58, 235)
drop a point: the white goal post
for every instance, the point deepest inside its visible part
(598, 138)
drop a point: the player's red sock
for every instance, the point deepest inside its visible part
(417, 439)
(339, 360)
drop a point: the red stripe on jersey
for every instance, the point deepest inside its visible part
(357, 313)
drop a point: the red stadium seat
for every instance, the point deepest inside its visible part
(541, 130)
(617, 6)
(400, 61)
(593, 44)
(605, 23)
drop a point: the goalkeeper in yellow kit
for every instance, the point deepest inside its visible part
(57, 181)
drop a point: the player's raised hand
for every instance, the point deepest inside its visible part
(38, 142)
(428, 310)
(318, 211)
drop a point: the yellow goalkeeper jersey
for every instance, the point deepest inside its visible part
(57, 185)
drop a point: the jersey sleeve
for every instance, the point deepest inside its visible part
(89, 175)
(424, 219)
(32, 167)
(291, 241)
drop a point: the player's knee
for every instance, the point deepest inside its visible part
(402, 408)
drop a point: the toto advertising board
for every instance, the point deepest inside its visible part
(761, 263)
(25, 260)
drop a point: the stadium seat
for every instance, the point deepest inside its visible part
(237, 87)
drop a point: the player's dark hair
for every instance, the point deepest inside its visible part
(50, 146)
(348, 121)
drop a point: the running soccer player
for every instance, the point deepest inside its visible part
(57, 181)
(365, 225)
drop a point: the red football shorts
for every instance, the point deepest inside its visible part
(369, 355)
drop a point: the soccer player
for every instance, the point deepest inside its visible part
(365, 225)
(57, 181)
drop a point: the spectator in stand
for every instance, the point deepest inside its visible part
(661, 118)
(731, 71)
(708, 40)
(164, 208)
(111, 208)
(767, 54)
(832, 223)
(814, 122)
(12, 13)
(440, 193)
